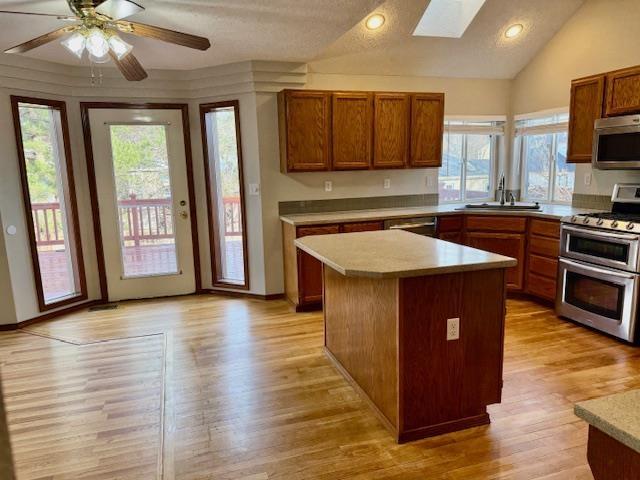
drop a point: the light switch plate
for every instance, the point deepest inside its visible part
(453, 328)
(254, 189)
(328, 185)
(587, 178)
(387, 183)
(429, 181)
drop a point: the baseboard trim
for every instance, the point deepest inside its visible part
(446, 427)
(231, 293)
(50, 315)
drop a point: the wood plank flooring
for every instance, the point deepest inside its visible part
(228, 388)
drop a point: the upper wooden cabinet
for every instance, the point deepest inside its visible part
(324, 130)
(305, 128)
(352, 133)
(623, 92)
(587, 95)
(391, 130)
(427, 125)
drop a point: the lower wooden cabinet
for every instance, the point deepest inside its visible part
(509, 244)
(303, 273)
(542, 261)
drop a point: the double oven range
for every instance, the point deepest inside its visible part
(599, 266)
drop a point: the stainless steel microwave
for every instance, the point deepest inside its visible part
(616, 143)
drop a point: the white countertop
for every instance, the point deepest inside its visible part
(546, 211)
(396, 253)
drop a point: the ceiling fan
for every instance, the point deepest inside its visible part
(95, 30)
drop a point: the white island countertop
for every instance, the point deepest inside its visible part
(396, 253)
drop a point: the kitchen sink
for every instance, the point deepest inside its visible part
(497, 206)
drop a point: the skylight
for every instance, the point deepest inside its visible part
(447, 18)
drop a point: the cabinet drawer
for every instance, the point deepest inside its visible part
(545, 228)
(361, 227)
(496, 224)
(547, 267)
(450, 223)
(455, 237)
(542, 287)
(548, 247)
(317, 230)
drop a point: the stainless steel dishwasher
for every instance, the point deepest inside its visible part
(421, 225)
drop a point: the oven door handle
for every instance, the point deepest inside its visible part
(586, 233)
(601, 271)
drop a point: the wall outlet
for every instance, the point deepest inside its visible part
(587, 178)
(387, 183)
(254, 189)
(328, 185)
(453, 328)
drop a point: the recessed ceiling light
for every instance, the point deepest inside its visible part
(514, 30)
(375, 21)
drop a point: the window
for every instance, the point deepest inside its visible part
(225, 193)
(468, 161)
(546, 175)
(42, 137)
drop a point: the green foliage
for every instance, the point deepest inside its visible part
(225, 145)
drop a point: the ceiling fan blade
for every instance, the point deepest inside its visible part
(129, 67)
(55, 15)
(41, 40)
(164, 34)
(117, 9)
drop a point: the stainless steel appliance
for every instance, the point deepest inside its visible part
(421, 225)
(616, 143)
(599, 266)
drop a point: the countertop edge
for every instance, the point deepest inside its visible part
(607, 428)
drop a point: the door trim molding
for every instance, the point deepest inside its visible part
(85, 107)
(212, 203)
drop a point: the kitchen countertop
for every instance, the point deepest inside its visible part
(396, 253)
(547, 211)
(616, 415)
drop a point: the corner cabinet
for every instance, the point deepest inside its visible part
(587, 95)
(305, 130)
(326, 130)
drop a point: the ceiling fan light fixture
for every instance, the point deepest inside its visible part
(119, 47)
(97, 44)
(75, 43)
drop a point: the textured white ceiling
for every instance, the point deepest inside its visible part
(482, 52)
(286, 30)
(330, 33)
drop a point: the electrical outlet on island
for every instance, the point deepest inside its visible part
(453, 328)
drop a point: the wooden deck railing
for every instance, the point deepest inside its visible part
(141, 219)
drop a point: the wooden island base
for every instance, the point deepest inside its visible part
(388, 337)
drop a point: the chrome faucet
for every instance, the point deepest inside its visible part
(503, 192)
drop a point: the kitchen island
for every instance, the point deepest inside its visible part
(416, 325)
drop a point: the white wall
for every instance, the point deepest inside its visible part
(600, 37)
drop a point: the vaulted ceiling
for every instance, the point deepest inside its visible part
(328, 33)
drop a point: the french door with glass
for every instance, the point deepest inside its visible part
(143, 201)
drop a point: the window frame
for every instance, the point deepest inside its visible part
(212, 207)
(73, 225)
(553, 128)
(466, 129)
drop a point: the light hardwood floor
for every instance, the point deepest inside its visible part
(206, 387)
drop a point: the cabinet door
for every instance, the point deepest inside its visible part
(309, 268)
(623, 92)
(352, 132)
(427, 126)
(509, 244)
(362, 227)
(391, 130)
(587, 98)
(304, 143)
